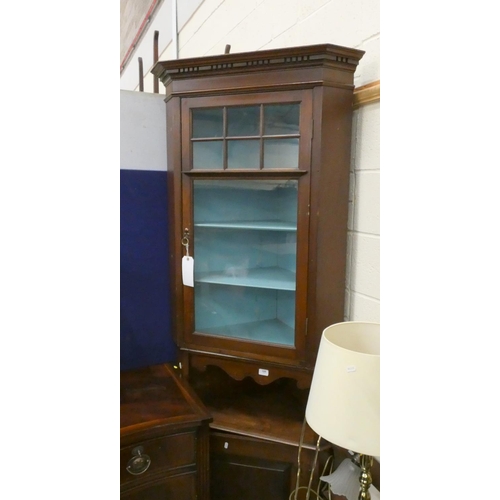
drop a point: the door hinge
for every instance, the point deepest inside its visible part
(307, 325)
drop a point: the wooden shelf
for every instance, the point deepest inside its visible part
(274, 278)
(258, 225)
(274, 412)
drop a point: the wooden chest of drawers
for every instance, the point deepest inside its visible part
(164, 437)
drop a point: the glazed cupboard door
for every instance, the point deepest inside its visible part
(245, 198)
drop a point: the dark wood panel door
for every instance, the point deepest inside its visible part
(249, 479)
(245, 197)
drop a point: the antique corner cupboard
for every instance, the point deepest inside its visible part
(258, 151)
(258, 148)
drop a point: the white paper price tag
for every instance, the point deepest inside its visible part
(187, 270)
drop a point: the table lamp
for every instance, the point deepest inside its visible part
(344, 400)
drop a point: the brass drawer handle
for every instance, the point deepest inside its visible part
(139, 463)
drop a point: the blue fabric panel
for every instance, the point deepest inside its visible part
(145, 312)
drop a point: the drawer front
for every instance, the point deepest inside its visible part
(231, 444)
(181, 487)
(166, 454)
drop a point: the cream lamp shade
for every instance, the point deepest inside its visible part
(344, 400)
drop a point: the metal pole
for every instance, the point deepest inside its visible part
(141, 76)
(156, 88)
(175, 38)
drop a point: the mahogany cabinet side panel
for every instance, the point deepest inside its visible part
(329, 210)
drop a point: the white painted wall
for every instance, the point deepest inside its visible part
(363, 250)
(209, 25)
(143, 130)
(206, 26)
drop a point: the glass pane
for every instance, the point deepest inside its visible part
(281, 119)
(207, 154)
(207, 122)
(281, 153)
(245, 252)
(243, 154)
(243, 120)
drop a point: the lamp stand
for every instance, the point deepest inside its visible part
(365, 478)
